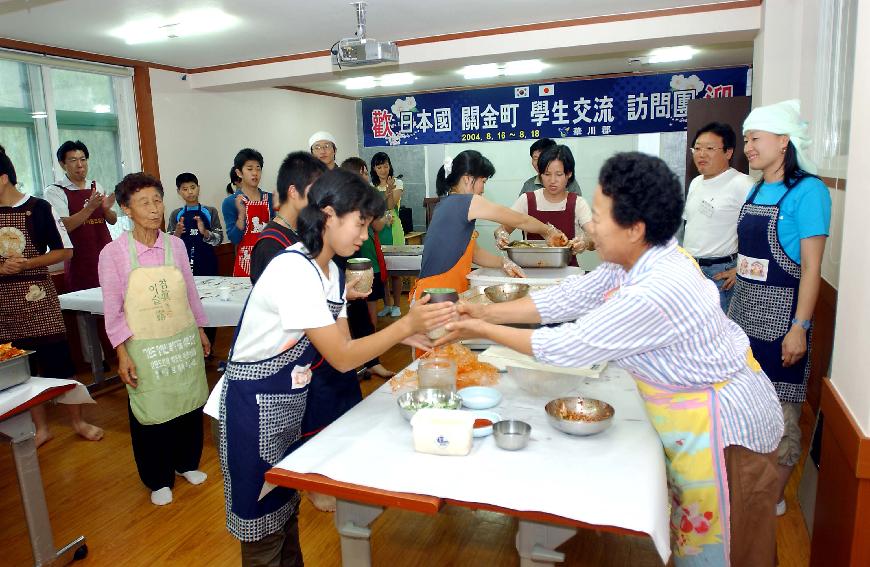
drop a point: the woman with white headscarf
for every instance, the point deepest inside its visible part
(781, 233)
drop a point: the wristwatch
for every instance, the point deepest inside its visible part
(803, 323)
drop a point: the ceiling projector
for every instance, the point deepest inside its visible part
(359, 50)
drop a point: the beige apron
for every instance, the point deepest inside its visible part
(165, 346)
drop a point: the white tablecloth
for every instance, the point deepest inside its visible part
(616, 478)
(220, 313)
(15, 396)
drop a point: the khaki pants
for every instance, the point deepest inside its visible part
(280, 549)
(753, 490)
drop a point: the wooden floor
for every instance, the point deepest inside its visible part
(93, 490)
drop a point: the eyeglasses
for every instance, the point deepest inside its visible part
(706, 149)
(320, 147)
(73, 160)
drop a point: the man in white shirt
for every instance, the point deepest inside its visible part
(713, 205)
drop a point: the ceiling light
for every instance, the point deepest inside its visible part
(481, 71)
(155, 28)
(669, 54)
(525, 67)
(366, 82)
(397, 79)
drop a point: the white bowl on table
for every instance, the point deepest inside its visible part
(479, 397)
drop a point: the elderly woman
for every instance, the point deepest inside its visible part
(649, 309)
(154, 320)
(781, 238)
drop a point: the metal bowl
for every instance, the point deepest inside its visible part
(506, 292)
(410, 402)
(511, 434)
(579, 416)
(539, 255)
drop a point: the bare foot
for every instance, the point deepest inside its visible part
(322, 502)
(42, 436)
(381, 372)
(88, 431)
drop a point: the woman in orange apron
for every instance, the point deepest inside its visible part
(451, 241)
(649, 309)
(247, 211)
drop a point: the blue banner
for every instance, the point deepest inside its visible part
(633, 104)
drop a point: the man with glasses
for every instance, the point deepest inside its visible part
(712, 206)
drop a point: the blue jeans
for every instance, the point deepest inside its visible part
(712, 270)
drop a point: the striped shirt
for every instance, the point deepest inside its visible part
(661, 321)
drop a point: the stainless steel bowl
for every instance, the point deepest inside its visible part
(410, 402)
(579, 416)
(539, 255)
(511, 434)
(506, 292)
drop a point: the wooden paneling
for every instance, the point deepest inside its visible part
(822, 341)
(145, 120)
(226, 257)
(835, 182)
(841, 532)
(81, 55)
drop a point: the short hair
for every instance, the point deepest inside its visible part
(378, 159)
(541, 145)
(185, 177)
(557, 153)
(724, 131)
(6, 167)
(299, 169)
(643, 189)
(355, 164)
(70, 146)
(134, 182)
(245, 155)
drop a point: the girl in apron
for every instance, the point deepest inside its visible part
(295, 310)
(247, 211)
(451, 245)
(155, 320)
(781, 233)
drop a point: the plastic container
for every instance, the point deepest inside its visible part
(437, 372)
(363, 266)
(442, 431)
(534, 276)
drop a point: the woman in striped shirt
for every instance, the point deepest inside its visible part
(649, 309)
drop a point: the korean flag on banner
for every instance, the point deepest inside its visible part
(546, 90)
(521, 92)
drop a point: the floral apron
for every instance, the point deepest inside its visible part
(256, 218)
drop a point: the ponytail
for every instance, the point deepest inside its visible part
(345, 192)
(469, 162)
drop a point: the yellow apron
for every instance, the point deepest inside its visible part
(165, 346)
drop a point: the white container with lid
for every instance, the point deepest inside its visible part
(442, 431)
(534, 276)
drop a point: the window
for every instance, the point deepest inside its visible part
(44, 102)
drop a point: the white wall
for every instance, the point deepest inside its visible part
(201, 132)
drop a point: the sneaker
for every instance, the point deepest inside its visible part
(385, 311)
(395, 311)
(780, 508)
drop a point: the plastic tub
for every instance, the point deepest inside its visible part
(442, 431)
(534, 276)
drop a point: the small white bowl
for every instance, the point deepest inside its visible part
(479, 397)
(486, 430)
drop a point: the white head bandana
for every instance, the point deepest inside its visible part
(322, 135)
(784, 118)
(448, 166)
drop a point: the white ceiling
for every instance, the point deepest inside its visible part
(268, 28)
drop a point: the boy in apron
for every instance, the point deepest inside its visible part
(154, 319)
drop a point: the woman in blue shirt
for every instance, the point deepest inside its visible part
(781, 234)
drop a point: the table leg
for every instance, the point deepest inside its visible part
(537, 543)
(21, 431)
(92, 344)
(352, 520)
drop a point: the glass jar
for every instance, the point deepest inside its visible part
(437, 372)
(361, 267)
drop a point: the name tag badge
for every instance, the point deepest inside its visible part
(706, 208)
(752, 268)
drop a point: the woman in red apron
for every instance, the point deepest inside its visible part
(31, 239)
(554, 204)
(649, 309)
(247, 211)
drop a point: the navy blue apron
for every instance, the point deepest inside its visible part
(260, 420)
(203, 260)
(766, 295)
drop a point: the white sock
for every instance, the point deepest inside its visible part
(193, 477)
(161, 497)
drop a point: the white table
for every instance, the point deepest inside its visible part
(403, 260)
(612, 480)
(89, 303)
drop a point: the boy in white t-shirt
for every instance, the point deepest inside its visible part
(713, 205)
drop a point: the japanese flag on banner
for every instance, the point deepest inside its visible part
(521, 92)
(546, 90)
